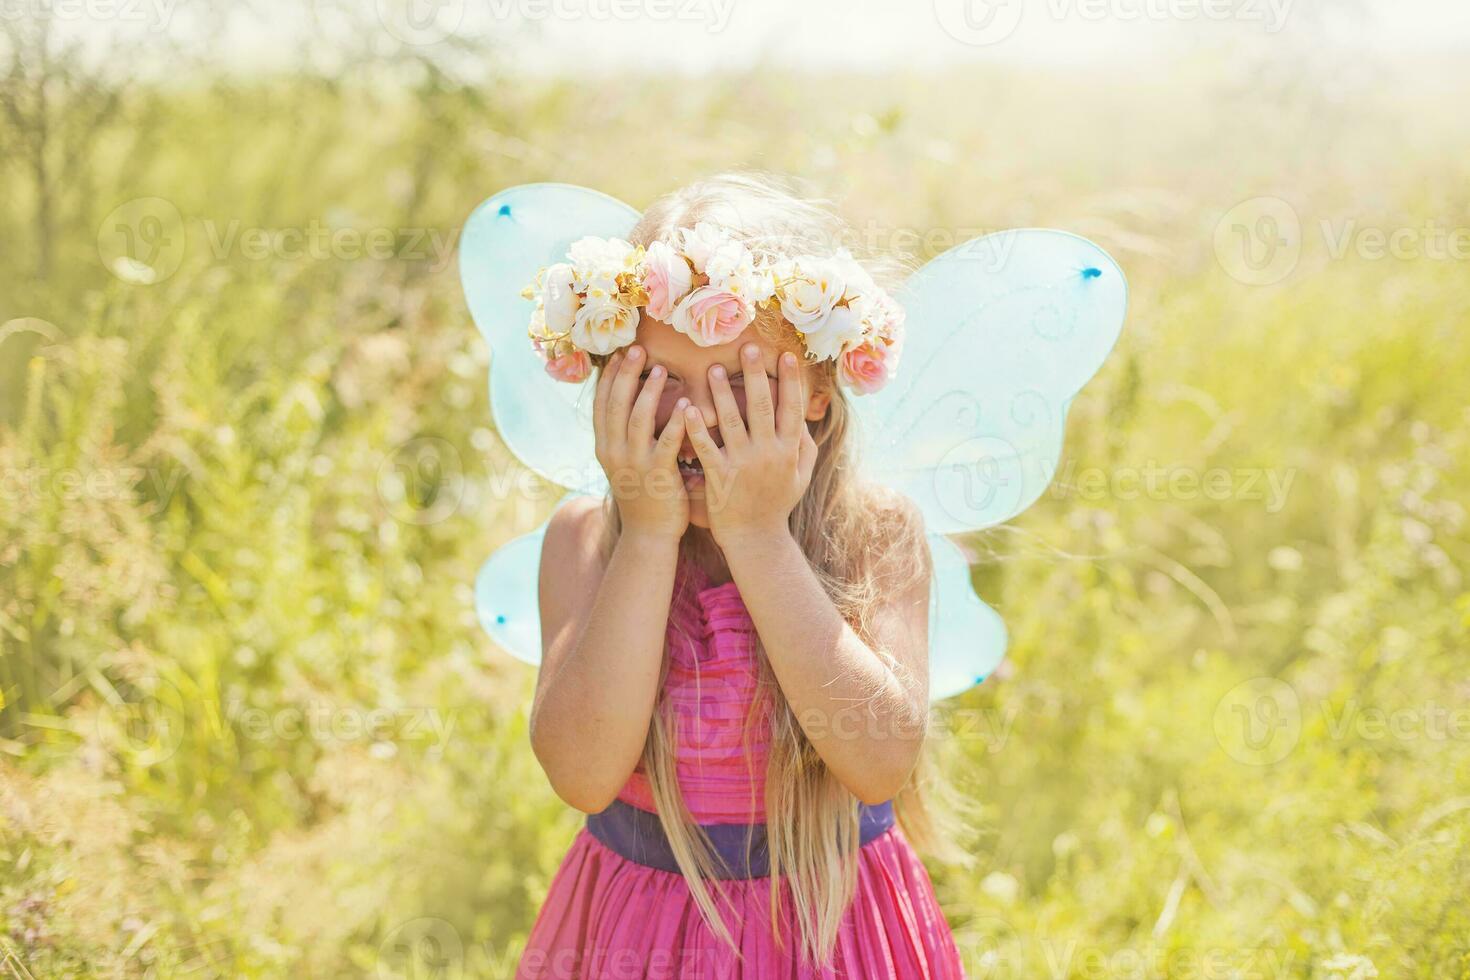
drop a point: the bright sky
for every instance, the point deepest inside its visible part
(568, 36)
(700, 34)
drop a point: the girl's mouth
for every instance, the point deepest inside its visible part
(692, 471)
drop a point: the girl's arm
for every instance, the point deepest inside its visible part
(865, 710)
(603, 639)
(602, 628)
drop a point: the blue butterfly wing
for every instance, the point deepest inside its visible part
(546, 423)
(967, 639)
(1002, 333)
(506, 600)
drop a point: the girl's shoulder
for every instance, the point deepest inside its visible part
(892, 515)
(892, 528)
(574, 535)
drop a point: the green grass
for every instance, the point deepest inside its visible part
(244, 506)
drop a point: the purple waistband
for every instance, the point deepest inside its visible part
(637, 835)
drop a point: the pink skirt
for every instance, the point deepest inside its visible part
(607, 917)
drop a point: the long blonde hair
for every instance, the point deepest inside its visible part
(844, 528)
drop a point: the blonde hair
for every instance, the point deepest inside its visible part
(861, 546)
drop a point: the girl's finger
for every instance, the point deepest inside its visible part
(709, 454)
(727, 410)
(792, 420)
(620, 400)
(599, 401)
(759, 409)
(640, 423)
(666, 453)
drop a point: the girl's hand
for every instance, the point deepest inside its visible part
(642, 472)
(753, 482)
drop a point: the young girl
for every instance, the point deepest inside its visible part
(734, 681)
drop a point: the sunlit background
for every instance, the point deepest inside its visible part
(249, 726)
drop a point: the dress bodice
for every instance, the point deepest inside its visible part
(710, 686)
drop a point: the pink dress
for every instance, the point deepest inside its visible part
(606, 916)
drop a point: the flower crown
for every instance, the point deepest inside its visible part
(707, 285)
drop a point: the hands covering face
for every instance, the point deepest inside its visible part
(756, 478)
(751, 482)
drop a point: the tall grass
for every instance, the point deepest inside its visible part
(250, 727)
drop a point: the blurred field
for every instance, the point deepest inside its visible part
(250, 727)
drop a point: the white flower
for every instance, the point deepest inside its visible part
(729, 259)
(811, 289)
(761, 284)
(558, 298)
(701, 242)
(732, 268)
(596, 262)
(834, 334)
(603, 324)
(856, 279)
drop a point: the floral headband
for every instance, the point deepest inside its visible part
(707, 285)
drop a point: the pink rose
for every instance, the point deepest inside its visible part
(711, 315)
(666, 278)
(873, 363)
(573, 367)
(864, 368)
